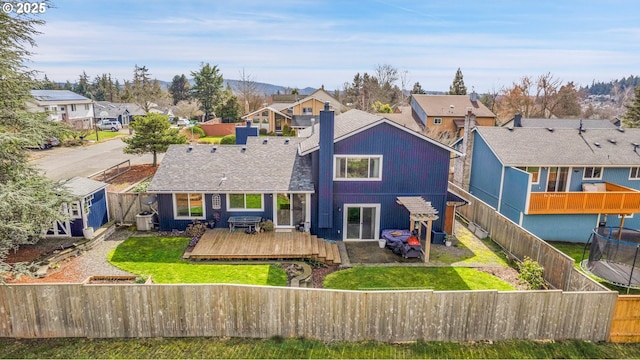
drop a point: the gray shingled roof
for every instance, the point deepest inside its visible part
(79, 186)
(349, 123)
(274, 166)
(564, 123)
(562, 147)
(440, 105)
(57, 95)
(116, 109)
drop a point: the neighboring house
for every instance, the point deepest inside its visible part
(519, 121)
(90, 208)
(65, 106)
(298, 114)
(557, 183)
(440, 113)
(404, 116)
(341, 178)
(122, 112)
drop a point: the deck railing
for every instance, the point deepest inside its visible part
(616, 199)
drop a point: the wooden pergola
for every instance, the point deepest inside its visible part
(421, 212)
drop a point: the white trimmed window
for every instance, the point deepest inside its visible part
(592, 173)
(634, 173)
(437, 121)
(188, 206)
(357, 167)
(307, 111)
(86, 106)
(245, 202)
(74, 210)
(534, 171)
(73, 107)
(216, 202)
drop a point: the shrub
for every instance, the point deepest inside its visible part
(263, 131)
(228, 140)
(197, 130)
(141, 187)
(530, 274)
(267, 225)
(72, 142)
(286, 129)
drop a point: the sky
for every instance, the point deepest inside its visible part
(313, 43)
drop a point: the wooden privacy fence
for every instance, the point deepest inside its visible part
(108, 311)
(559, 268)
(625, 324)
(123, 207)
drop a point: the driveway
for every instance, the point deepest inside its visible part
(66, 162)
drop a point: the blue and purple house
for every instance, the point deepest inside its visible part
(340, 179)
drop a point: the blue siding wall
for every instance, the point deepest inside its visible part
(410, 167)
(486, 171)
(572, 228)
(418, 110)
(168, 223)
(325, 158)
(514, 193)
(98, 215)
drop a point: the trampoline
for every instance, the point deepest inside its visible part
(614, 256)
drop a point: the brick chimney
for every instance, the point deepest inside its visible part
(325, 168)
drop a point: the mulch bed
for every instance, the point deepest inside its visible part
(135, 174)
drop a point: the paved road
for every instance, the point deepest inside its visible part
(66, 162)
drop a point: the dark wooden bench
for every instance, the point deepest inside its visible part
(250, 222)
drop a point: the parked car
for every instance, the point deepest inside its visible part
(47, 143)
(112, 125)
(182, 122)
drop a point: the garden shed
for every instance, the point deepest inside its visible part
(88, 212)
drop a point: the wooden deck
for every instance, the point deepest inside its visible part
(222, 244)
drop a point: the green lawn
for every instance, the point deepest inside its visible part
(102, 135)
(301, 348)
(160, 257)
(210, 139)
(397, 278)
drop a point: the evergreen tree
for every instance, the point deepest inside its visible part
(207, 88)
(457, 87)
(230, 110)
(179, 88)
(29, 202)
(417, 89)
(141, 87)
(632, 117)
(152, 134)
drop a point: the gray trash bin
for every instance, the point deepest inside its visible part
(144, 221)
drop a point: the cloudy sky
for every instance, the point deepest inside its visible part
(313, 43)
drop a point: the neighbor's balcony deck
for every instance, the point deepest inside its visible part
(616, 199)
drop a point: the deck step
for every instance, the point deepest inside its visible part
(314, 246)
(336, 254)
(322, 250)
(329, 251)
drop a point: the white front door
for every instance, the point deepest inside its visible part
(361, 221)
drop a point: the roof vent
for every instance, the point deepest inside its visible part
(213, 149)
(621, 129)
(597, 144)
(244, 148)
(510, 128)
(635, 146)
(550, 129)
(189, 148)
(286, 141)
(613, 141)
(264, 141)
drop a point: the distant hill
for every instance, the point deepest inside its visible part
(263, 88)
